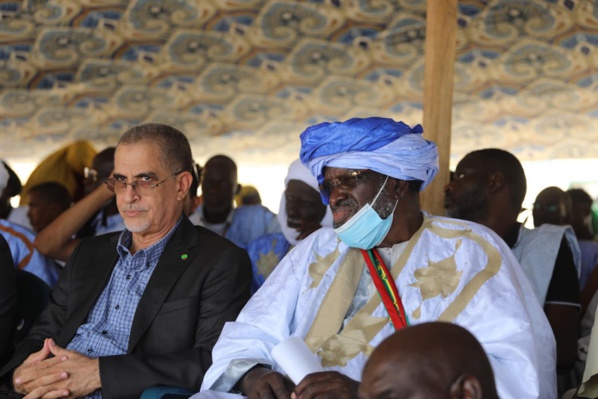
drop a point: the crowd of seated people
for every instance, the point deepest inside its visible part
(154, 285)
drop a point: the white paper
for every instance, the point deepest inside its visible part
(296, 359)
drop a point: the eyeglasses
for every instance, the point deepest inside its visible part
(142, 186)
(348, 181)
(90, 174)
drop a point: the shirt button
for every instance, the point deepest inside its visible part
(128, 277)
(117, 307)
(104, 332)
(89, 350)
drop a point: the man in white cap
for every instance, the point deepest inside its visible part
(384, 266)
(20, 240)
(301, 212)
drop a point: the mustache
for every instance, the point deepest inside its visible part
(346, 203)
(136, 208)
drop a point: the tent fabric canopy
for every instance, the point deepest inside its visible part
(248, 76)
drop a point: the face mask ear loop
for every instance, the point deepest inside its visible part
(379, 191)
(396, 203)
(395, 207)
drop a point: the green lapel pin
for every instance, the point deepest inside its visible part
(184, 256)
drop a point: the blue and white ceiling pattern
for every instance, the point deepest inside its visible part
(245, 77)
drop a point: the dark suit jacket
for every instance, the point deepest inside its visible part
(201, 281)
(8, 300)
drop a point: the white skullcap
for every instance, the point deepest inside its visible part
(297, 171)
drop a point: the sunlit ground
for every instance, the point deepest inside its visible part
(563, 173)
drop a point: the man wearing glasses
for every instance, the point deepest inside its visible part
(143, 307)
(383, 266)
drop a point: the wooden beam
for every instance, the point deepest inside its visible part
(439, 61)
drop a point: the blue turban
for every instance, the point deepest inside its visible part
(379, 144)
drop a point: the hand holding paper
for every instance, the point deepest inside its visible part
(296, 359)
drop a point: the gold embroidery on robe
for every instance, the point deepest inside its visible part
(337, 349)
(321, 265)
(267, 261)
(439, 278)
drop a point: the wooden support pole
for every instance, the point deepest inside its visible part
(440, 49)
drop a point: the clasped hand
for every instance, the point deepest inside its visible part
(55, 372)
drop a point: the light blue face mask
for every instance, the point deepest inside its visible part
(366, 228)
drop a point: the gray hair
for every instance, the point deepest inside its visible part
(172, 143)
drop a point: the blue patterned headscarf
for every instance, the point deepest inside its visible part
(379, 144)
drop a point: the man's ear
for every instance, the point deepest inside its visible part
(184, 184)
(497, 181)
(401, 187)
(466, 387)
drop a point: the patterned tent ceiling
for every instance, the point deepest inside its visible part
(245, 77)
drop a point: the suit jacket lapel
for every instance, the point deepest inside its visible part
(177, 255)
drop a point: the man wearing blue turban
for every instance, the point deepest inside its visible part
(384, 265)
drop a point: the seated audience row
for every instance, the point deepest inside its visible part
(349, 259)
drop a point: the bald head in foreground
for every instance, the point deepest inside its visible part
(430, 360)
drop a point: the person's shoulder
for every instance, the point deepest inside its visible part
(252, 210)
(459, 224)
(547, 228)
(590, 246)
(16, 229)
(547, 233)
(114, 223)
(265, 239)
(465, 228)
(213, 240)
(19, 216)
(322, 241)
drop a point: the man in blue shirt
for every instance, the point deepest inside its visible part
(143, 307)
(217, 212)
